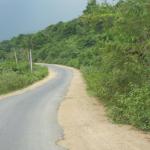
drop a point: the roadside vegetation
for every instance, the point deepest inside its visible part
(111, 46)
(14, 77)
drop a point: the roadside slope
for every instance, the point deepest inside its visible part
(86, 126)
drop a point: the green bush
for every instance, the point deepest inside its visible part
(92, 77)
(132, 108)
(14, 77)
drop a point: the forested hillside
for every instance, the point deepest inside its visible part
(111, 46)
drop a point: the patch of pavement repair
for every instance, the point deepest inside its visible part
(86, 126)
(37, 84)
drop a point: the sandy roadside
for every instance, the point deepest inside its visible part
(31, 87)
(86, 126)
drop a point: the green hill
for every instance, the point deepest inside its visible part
(111, 46)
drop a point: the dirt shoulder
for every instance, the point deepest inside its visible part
(86, 126)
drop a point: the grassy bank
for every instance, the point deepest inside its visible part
(14, 77)
(111, 46)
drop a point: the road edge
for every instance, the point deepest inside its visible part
(86, 125)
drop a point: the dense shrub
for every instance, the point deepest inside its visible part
(133, 107)
(14, 77)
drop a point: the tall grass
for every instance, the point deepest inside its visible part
(14, 77)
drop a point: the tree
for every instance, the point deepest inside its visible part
(93, 2)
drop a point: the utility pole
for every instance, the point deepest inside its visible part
(30, 58)
(15, 54)
(30, 54)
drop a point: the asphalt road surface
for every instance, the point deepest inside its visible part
(29, 121)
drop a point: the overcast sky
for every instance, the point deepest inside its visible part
(25, 16)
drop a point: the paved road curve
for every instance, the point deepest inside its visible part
(29, 121)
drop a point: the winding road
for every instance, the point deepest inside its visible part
(29, 121)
